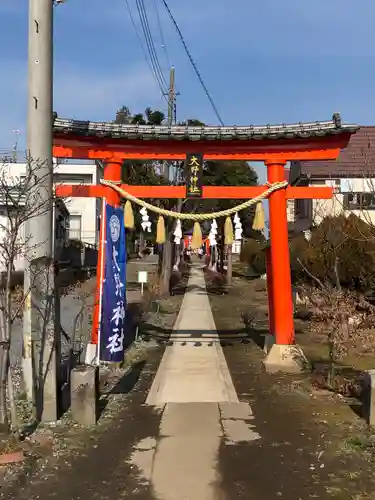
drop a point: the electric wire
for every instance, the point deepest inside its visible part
(153, 44)
(149, 64)
(162, 38)
(150, 43)
(192, 61)
(153, 59)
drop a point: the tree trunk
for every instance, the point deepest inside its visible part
(141, 244)
(4, 363)
(229, 265)
(6, 329)
(211, 261)
(177, 257)
(337, 274)
(12, 402)
(221, 256)
(166, 270)
(4, 357)
(167, 265)
(178, 248)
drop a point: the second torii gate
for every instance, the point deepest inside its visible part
(274, 145)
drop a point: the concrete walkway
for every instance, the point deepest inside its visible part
(188, 373)
(200, 409)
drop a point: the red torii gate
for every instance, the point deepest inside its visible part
(274, 145)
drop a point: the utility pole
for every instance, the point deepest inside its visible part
(171, 114)
(171, 97)
(15, 145)
(41, 344)
(168, 168)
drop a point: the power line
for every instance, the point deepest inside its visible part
(150, 43)
(192, 62)
(152, 69)
(150, 46)
(164, 45)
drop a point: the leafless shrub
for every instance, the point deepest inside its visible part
(21, 199)
(343, 318)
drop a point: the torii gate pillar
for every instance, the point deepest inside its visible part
(282, 300)
(284, 354)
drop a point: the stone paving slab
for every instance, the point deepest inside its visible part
(187, 374)
(236, 411)
(190, 419)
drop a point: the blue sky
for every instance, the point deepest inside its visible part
(264, 61)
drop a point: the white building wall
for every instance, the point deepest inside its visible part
(87, 208)
(5, 231)
(290, 210)
(335, 206)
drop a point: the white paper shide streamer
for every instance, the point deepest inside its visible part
(146, 223)
(237, 228)
(178, 232)
(213, 233)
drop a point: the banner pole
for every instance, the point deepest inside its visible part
(104, 238)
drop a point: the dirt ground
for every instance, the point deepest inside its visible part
(89, 460)
(53, 445)
(313, 445)
(314, 435)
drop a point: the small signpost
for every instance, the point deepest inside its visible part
(142, 279)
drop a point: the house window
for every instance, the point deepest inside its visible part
(359, 201)
(75, 227)
(303, 208)
(64, 178)
(325, 182)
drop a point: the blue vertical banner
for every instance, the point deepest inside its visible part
(112, 321)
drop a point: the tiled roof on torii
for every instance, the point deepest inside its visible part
(113, 130)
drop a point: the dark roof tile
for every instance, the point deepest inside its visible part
(181, 132)
(356, 160)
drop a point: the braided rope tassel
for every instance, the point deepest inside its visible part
(196, 217)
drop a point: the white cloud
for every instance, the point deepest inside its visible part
(97, 96)
(82, 95)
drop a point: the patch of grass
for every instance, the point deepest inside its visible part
(22, 396)
(354, 475)
(359, 443)
(135, 353)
